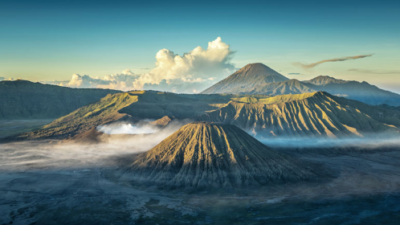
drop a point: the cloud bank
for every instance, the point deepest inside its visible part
(312, 65)
(189, 73)
(375, 71)
(120, 81)
(197, 66)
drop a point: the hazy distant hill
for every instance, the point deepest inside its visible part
(249, 80)
(205, 155)
(360, 91)
(310, 114)
(22, 99)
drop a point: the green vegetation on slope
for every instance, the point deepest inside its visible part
(27, 100)
(85, 118)
(132, 106)
(309, 114)
(154, 105)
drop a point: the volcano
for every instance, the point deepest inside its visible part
(246, 79)
(205, 155)
(317, 114)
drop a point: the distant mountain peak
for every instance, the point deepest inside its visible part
(292, 81)
(249, 76)
(324, 79)
(255, 65)
(253, 70)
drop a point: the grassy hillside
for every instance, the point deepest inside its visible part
(85, 118)
(310, 114)
(27, 100)
(132, 106)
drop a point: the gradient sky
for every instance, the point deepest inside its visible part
(51, 40)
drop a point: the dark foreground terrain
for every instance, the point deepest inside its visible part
(53, 183)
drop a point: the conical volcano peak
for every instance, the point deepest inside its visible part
(257, 66)
(208, 155)
(247, 77)
(255, 70)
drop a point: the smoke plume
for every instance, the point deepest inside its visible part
(312, 65)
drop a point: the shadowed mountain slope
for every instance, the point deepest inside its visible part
(85, 118)
(131, 106)
(281, 88)
(246, 79)
(203, 155)
(310, 114)
(396, 108)
(22, 99)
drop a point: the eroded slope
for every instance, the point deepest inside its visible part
(206, 155)
(310, 114)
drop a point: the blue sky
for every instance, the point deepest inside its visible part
(51, 40)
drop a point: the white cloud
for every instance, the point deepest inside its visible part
(2, 78)
(85, 81)
(197, 66)
(122, 81)
(190, 73)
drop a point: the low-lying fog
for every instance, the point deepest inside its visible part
(126, 139)
(42, 181)
(127, 128)
(366, 142)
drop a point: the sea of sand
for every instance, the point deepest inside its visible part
(50, 182)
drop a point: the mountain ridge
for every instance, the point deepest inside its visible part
(29, 100)
(360, 91)
(130, 106)
(309, 114)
